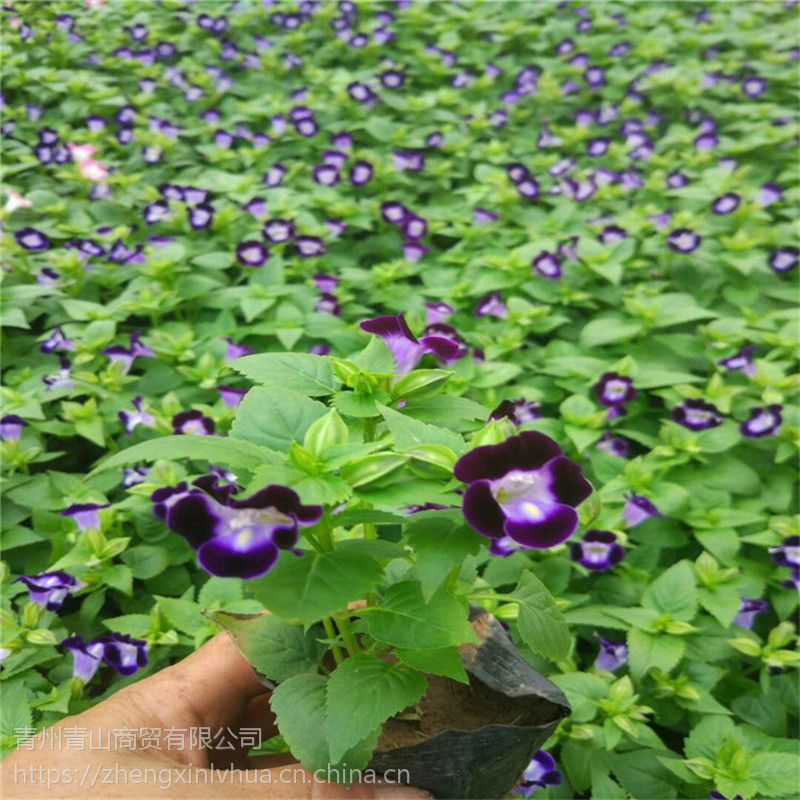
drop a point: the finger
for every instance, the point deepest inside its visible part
(256, 725)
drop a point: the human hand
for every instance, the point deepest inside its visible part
(214, 688)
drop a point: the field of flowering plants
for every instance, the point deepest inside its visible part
(338, 325)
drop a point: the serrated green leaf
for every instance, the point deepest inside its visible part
(541, 625)
(306, 374)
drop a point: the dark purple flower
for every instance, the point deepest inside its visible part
(518, 411)
(86, 515)
(252, 253)
(677, 180)
(726, 204)
(139, 416)
(278, 230)
(326, 283)
(361, 93)
(598, 147)
(393, 78)
(482, 216)
(405, 347)
(548, 265)
(414, 227)
(613, 445)
(528, 188)
(697, 415)
(749, 610)
(437, 312)
(158, 211)
(257, 207)
(598, 551)
(743, 361)
(683, 240)
(328, 304)
(201, 216)
(361, 173)
(32, 240)
(57, 343)
(492, 306)
(87, 657)
(309, 246)
(11, 428)
(193, 422)
(612, 655)
(539, 774)
(754, 86)
(274, 177)
(122, 652)
(50, 589)
(787, 554)
(409, 160)
(763, 421)
(714, 795)
(231, 396)
(232, 537)
(413, 251)
(522, 492)
(770, 193)
(133, 476)
(394, 212)
(326, 174)
(784, 259)
(638, 509)
(614, 390)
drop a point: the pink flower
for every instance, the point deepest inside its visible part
(93, 170)
(81, 152)
(94, 3)
(15, 201)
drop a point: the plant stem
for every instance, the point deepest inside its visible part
(330, 632)
(350, 641)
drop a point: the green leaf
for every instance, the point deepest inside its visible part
(405, 620)
(408, 432)
(275, 417)
(184, 615)
(647, 650)
(541, 625)
(674, 593)
(299, 707)
(316, 586)
(439, 547)
(584, 691)
(446, 662)
(723, 602)
(216, 260)
(146, 561)
(606, 330)
(604, 788)
(707, 736)
(276, 649)
(324, 489)
(363, 692)
(230, 452)
(299, 372)
(642, 775)
(776, 774)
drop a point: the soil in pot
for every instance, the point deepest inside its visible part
(472, 742)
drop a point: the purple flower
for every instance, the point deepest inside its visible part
(361, 173)
(522, 492)
(539, 774)
(437, 312)
(309, 246)
(598, 147)
(405, 347)
(697, 415)
(726, 204)
(638, 509)
(784, 259)
(414, 227)
(754, 86)
(518, 411)
(612, 655)
(158, 211)
(598, 551)
(614, 390)
(133, 476)
(414, 251)
(743, 361)
(252, 253)
(86, 515)
(50, 589)
(328, 304)
(763, 421)
(409, 160)
(32, 240)
(121, 652)
(257, 207)
(278, 230)
(193, 422)
(683, 240)
(771, 193)
(231, 396)
(528, 188)
(714, 795)
(393, 78)
(677, 180)
(548, 265)
(326, 174)
(394, 212)
(201, 216)
(788, 555)
(492, 306)
(235, 350)
(11, 428)
(139, 416)
(749, 610)
(232, 537)
(275, 175)
(87, 657)
(482, 216)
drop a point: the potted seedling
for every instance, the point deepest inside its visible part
(361, 527)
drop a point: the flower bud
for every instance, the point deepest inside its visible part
(369, 469)
(418, 381)
(327, 432)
